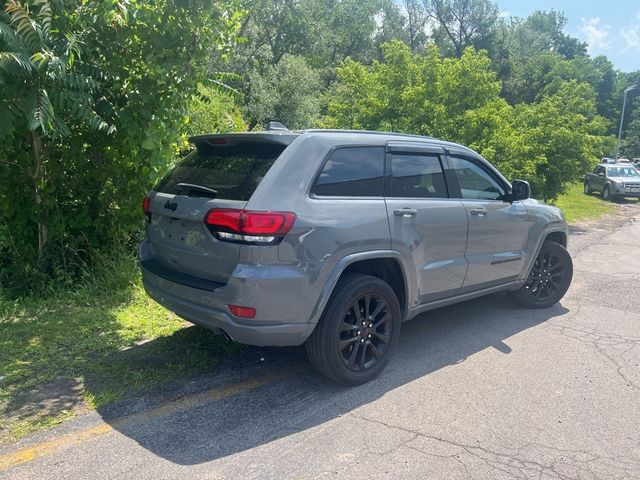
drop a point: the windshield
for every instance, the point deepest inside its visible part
(622, 172)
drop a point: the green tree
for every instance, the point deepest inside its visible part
(111, 85)
(45, 85)
(416, 24)
(565, 135)
(462, 23)
(631, 141)
(287, 92)
(531, 53)
(429, 95)
(322, 31)
(605, 89)
(391, 26)
(550, 142)
(543, 31)
(214, 110)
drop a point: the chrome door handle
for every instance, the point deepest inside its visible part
(480, 212)
(405, 212)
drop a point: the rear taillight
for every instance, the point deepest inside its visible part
(146, 207)
(247, 226)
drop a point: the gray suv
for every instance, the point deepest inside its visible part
(334, 238)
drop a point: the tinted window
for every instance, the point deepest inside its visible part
(231, 173)
(474, 181)
(417, 176)
(352, 172)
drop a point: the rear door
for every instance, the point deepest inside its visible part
(427, 226)
(498, 230)
(220, 173)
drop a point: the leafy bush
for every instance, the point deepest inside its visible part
(95, 96)
(213, 110)
(550, 143)
(288, 92)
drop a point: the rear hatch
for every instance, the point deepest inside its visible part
(222, 172)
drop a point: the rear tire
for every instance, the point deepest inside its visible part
(549, 279)
(358, 331)
(587, 188)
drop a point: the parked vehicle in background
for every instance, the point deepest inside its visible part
(613, 160)
(334, 238)
(613, 181)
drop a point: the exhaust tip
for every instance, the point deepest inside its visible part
(226, 335)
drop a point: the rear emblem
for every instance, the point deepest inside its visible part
(171, 206)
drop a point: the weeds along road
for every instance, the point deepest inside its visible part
(479, 390)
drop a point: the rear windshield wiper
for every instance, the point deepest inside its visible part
(191, 187)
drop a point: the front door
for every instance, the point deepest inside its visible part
(427, 226)
(597, 180)
(498, 230)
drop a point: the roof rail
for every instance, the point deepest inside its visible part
(368, 132)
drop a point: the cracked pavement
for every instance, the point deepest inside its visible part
(480, 390)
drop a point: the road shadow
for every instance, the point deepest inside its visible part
(214, 429)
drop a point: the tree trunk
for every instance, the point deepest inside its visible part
(38, 177)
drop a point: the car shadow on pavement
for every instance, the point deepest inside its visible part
(215, 428)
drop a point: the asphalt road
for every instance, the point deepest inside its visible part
(480, 390)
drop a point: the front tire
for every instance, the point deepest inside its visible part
(606, 193)
(549, 279)
(358, 331)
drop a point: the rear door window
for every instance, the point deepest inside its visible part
(352, 172)
(417, 176)
(230, 173)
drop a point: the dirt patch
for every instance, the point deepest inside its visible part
(624, 212)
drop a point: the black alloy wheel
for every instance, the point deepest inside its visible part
(549, 278)
(365, 332)
(357, 332)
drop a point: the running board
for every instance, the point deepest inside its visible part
(445, 302)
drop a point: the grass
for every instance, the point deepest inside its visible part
(103, 342)
(577, 206)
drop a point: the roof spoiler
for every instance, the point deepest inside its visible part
(276, 126)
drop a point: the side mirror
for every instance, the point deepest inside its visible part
(520, 190)
(601, 174)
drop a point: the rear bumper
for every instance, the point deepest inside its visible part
(210, 308)
(280, 335)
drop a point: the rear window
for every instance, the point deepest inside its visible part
(230, 173)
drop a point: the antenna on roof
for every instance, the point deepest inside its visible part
(276, 126)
